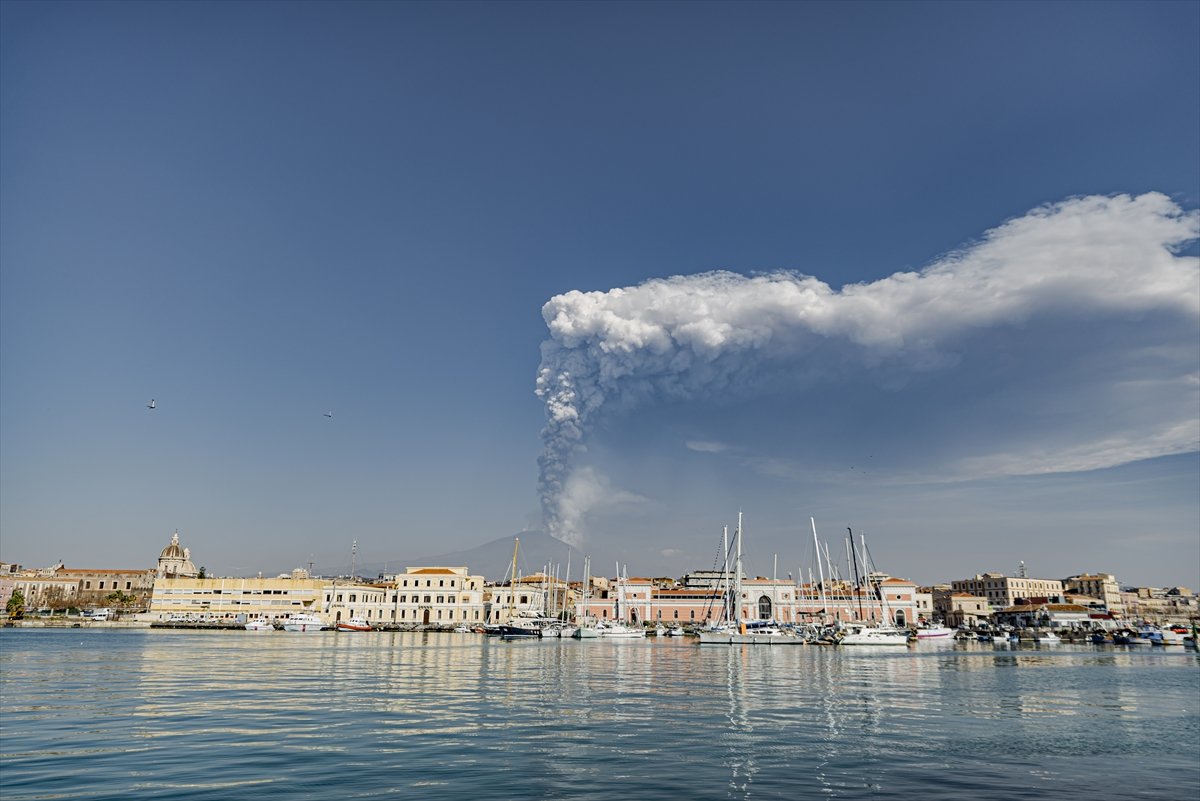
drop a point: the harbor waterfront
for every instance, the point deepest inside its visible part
(180, 714)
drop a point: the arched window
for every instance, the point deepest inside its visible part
(900, 619)
(764, 608)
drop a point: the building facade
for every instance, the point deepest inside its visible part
(961, 608)
(236, 598)
(438, 596)
(1102, 586)
(1003, 591)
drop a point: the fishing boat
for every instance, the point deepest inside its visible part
(1129, 637)
(732, 628)
(354, 624)
(259, 624)
(303, 622)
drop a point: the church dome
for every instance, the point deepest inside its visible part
(172, 551)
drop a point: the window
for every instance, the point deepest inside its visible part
(451, 600)
(441, 583)
(441, 599)
(102, 585)
(426, 599)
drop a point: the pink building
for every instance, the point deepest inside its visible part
(639, 601)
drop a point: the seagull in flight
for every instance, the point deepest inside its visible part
(150, 405)
(329, 414)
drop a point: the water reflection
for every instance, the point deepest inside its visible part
(438, 716)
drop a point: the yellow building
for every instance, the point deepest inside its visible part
(1003, 591)
(229, 598)
(1102, 586)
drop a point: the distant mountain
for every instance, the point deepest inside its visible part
(493, 559)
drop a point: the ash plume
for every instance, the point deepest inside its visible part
(718, 334)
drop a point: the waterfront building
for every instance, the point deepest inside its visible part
(961, 608)
(505, 602)
(46, 592)
(892, 601)
(1046, 615)
(1177, 604)
(923, 604)
(235, 598)
(97, 586)
(343, 599)
(1103, 586)
(431, 596)
(1003, 591)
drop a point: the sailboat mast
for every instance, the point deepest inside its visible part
(737, 573)
(820, 567)
(512, 581)
(857, 581)
(728, 612)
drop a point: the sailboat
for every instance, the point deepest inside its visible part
(586, 630)
(512, 628)
(617, 629)
(861, 632)
(733, 629)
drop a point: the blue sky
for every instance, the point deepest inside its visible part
(257, 213)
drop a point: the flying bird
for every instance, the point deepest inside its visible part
(329, 414)
(150, 405)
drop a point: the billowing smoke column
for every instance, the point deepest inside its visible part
(701, 335)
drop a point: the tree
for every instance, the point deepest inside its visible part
(16, 605)
(120, 599)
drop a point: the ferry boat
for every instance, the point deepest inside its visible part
(303, 621)
(354, 624)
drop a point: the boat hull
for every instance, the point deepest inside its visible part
(520, 632)
(736, 638)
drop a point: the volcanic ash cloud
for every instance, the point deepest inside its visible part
(722, 333)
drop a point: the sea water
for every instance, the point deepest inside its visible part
(158, 714)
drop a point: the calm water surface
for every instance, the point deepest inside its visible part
(139, 714)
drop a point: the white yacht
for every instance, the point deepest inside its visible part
(866, 634)
(259, 624)
(303, 621)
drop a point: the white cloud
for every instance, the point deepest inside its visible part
(701, 446)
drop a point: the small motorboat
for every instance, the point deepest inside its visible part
(675, 631)
(354, 624)
(260, 624)
(462, 628)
